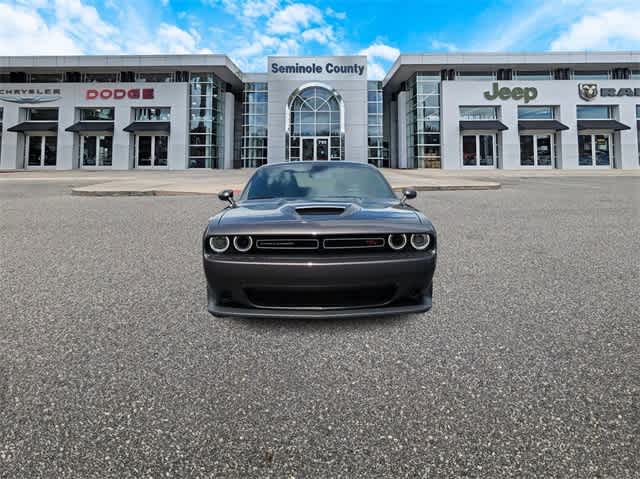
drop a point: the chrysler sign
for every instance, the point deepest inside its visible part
(120, 94)
(30, 95)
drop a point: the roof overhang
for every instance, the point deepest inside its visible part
(91, 126)
(35, 126)
(541, 125)
(408, 64)
(150, 126)
(483, 125)
(613, 125)
(221, 65)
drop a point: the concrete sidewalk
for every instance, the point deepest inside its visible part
(210, 182)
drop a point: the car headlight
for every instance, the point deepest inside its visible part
(243, 243)
(219, 244)
(420, 241)
(397, 241)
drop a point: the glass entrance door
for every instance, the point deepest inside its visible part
(41, 151)
(595, 150)
(151, 151)
(96, 150)
(536, 150)
(315, 148)
(479, 150)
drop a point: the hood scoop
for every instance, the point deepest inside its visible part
(319, 210)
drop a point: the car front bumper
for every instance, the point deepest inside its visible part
(287, 286)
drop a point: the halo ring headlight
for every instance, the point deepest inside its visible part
(420, 241)
(242, 243)
(219, 244)
(397, 241)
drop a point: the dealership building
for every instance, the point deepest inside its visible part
(449, 111)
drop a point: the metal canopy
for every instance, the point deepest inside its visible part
(602, 125)
(137, 126)
(91, 126)
(491, 125)
(35, 126)
(541, 125)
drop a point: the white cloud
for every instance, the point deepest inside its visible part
(71, 27)
(332, 13)
(614, 29)
(293, 18)
(259, 8)
(322, 35)
(24, 32)
(438, 45)
(379, 51)
(171, 39)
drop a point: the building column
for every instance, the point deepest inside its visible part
(229, 122)
(393, 134)
(627, 152)
(10, 148)
(567, 149)
(402, 130)
(67, 155)
(509, 157)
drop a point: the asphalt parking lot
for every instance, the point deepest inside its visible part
(527, 366)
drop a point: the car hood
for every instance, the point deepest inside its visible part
(279, 216)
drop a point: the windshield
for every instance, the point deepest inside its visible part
(314, 180)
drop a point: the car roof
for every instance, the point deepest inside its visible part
(332, 163)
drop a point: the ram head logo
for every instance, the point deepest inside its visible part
(588, 91)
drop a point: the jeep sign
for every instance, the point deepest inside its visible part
(517, 93)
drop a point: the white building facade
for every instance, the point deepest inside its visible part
(454, 111)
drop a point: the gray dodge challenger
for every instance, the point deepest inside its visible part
(318, 240)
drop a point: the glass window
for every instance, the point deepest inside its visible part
(42, 114)
(100, 77)
(154, 77)
(46, 77)
(594, 112)
(152, 114)
(96, 114)
(533, 75)
(1, 112)
(536, 112)
(314, 111)
(317, 180)
(637, 112)
(592, 75)
(479, 112)
(527, 155)
(469, 150)
(635, 75)
(476, 75)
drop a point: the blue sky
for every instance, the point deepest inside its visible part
(250, 30)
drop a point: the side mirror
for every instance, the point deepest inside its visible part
(227, 195)
(408, 194)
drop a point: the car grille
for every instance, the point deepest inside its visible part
(328, 244)
(321, 298)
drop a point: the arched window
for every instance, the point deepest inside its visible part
(315, 129)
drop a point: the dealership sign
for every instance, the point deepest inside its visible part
(120, 94)
(314, 68)
(30, 95)
(517, 93)
(588, 91)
